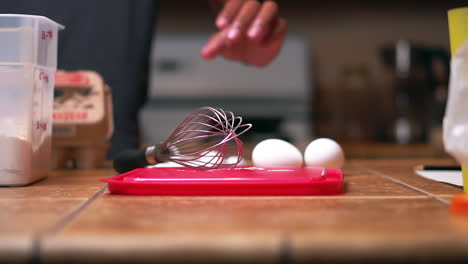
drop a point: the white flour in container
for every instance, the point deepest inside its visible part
(19, 164)
(15, 161)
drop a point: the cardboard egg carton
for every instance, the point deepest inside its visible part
(82, 120)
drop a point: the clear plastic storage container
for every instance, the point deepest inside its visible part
(28, 61)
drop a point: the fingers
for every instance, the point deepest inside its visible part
(228, 13)
(248, 17)
(214, 46)
(279, 30)
(264, 21)
(271, 46)
(243, 20)
(249, 31)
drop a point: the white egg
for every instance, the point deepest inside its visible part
(325, 153)
(276, 153)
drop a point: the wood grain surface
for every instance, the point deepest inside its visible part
(387, 215)
(29, 211)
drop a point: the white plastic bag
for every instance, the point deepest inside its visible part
(455, 124)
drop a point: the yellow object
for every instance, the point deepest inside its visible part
(458, 31)
(458, 27)
(465, 177)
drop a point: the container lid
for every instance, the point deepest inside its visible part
(32, 18)
(28, 39)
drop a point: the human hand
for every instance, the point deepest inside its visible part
(249, 31)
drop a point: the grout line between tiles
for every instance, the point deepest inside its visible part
(382, 175)
(286, 251)
(36, 250)
(68, 218)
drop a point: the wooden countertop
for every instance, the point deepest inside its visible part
(388, 215)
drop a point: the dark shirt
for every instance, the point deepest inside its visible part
(111, 37)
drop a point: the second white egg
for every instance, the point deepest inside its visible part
(276, 153)
(324, 152)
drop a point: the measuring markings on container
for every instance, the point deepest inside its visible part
(43, 76)
(47, 34)
(41, 125)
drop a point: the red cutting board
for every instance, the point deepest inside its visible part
(252, 181)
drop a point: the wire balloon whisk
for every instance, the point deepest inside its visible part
(208, 138)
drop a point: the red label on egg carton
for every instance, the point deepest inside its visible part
(71, 78)
(70, 116)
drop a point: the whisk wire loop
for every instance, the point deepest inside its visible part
(205, 139)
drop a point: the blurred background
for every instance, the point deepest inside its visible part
(350, 70)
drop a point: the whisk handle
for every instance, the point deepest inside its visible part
(134, 158)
